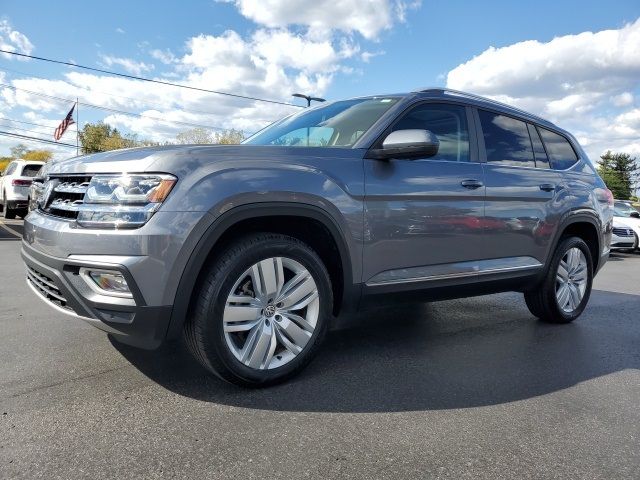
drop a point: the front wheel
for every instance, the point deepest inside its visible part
(262, 310)
(565, 291)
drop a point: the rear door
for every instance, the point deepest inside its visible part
(520, 208)
(423, 217)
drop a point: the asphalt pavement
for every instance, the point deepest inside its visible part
(472, 388)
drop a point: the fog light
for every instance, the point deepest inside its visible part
(106, 282)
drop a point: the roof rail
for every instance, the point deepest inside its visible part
(460, 93)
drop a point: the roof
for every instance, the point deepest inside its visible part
(477, 100)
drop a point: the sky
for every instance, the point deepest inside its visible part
(576, 63)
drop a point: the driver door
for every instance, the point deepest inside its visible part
(424, 217)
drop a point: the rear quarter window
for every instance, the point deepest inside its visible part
(561, 153)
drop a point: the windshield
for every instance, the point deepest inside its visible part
(624, 209)
(338, 124)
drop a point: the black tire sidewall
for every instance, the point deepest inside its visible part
(214, 343)
(550, 282)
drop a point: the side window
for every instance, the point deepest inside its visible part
(506, 140)
(447, 122)
(542, 161)
(10, 169)
(560, 151)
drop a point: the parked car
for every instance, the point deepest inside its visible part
(623, 237)
(251, 250)
(627, 215)
(14, 187)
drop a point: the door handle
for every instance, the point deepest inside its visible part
(547, 187)
(471, 184)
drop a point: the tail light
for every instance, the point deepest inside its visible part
(17, 182)
(609, 194)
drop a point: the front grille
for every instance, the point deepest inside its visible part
(67, 195)
(47, 288)
(623, 232)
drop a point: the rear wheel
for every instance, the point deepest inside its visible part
(262, 310)
(565, 291)
(9, 212)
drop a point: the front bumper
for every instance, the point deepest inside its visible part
(130, 320)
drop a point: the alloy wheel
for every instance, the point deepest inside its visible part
(271, 313)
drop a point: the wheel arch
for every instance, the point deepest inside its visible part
(585, 226)
(255, 217)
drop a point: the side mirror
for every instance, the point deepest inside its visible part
(412, 143)
(635, 214)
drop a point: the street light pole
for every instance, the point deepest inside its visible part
(308, 98)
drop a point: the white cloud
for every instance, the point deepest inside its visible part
(622, 100)
(582, 82)
(165, 56)
(120, 30)
(369, 18)
(13, 41)
(130, 66)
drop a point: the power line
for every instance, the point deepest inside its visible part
(143, 79)
(110, 94)
(37, 139)
(31, 123)
(113, 110)
(26, 130)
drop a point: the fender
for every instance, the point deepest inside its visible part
(583, 215)
(231, 217)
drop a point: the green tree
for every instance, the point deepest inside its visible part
(38, 155)
(102, 137)
(619, 171)
(229, 137)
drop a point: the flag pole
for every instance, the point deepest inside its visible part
(77, 128)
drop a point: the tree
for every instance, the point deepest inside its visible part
(18, 151)
(620, 172)
(229, 137)
(204, 136)
(101, 137)
(195, 136)
(38, 155)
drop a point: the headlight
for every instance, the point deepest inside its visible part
(123, 201)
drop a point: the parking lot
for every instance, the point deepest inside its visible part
(472, 388)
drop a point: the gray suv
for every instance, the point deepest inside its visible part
(251, 250)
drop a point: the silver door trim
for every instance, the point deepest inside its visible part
(448, 276)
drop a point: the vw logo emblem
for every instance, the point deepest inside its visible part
(269, 311)
(46, 193)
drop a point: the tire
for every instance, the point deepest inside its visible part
(9, 213)
(562, 297)
(220, 339)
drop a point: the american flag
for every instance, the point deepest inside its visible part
(68, 120)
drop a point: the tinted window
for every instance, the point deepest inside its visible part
(10, 169)
(542, 161)
(560, 151)
(447, 122)
(31, 170)
(506, 140)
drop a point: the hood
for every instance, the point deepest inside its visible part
(181, 159)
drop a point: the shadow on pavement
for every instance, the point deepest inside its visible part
(455, 354)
